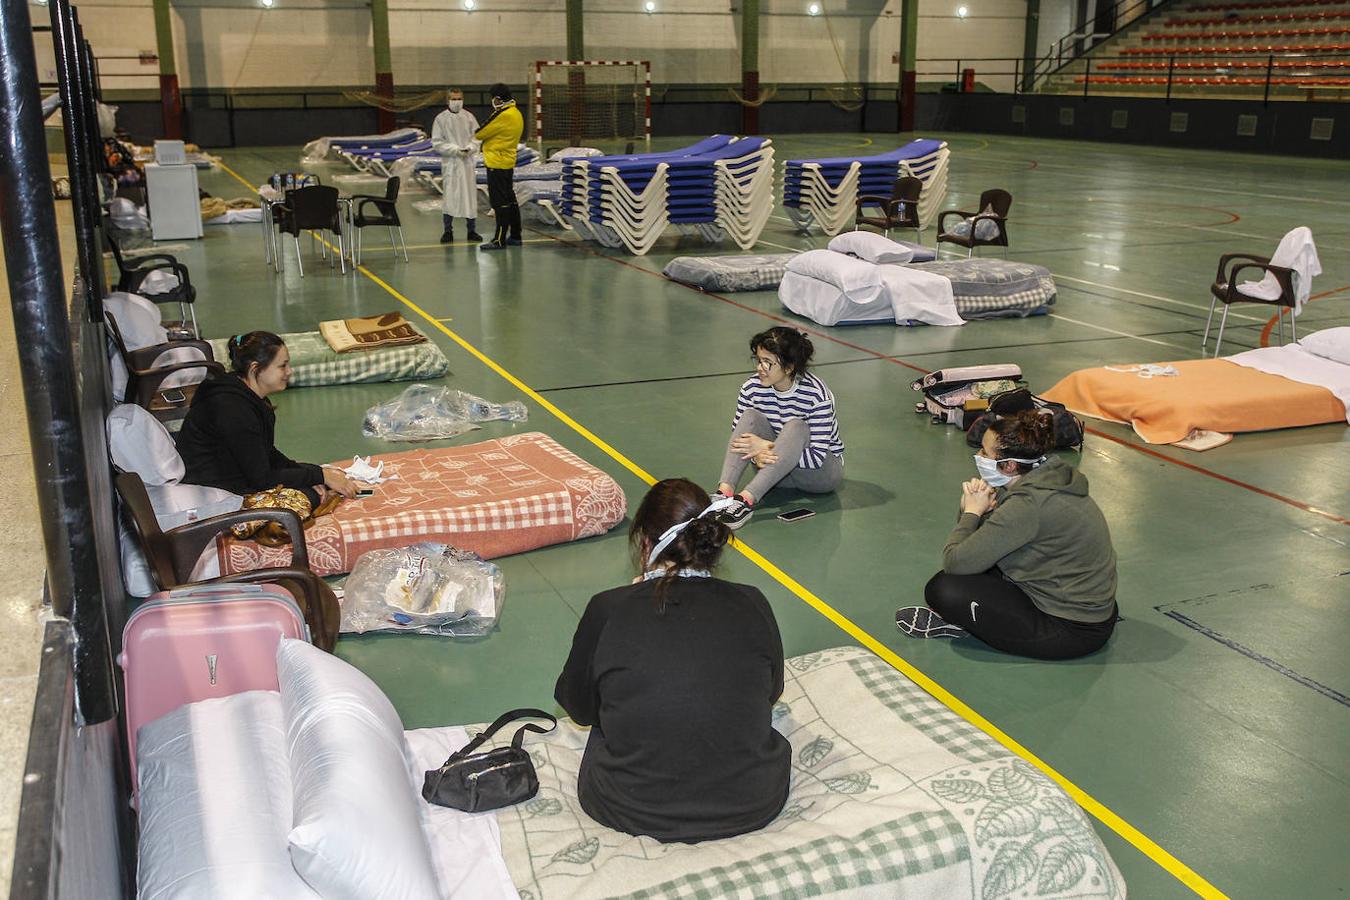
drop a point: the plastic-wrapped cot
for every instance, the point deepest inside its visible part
(748, 272)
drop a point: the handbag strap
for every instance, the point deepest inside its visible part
(503, 720)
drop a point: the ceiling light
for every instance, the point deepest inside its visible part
(267, 4)
(470, 5)
(813, 9)
(650, 6)
(962, 12)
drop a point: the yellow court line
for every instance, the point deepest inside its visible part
(1138, 839)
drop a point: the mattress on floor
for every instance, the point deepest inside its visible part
(892, 795)
(996, 288)
(315, 364)
(1207, 394)
(494, 498)
(744, 272)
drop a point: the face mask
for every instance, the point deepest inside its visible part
(989, 473)
(455, 105)
(498, 104)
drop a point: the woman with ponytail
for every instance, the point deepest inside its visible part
(677, 675)
(228, 438)
(1029, 568)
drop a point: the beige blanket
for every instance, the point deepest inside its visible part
(370, 333)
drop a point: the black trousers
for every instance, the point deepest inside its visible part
(502, 196)
(999, 613)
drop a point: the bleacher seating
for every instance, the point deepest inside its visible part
(1244, 48)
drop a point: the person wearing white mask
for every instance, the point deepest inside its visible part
(452, 137)
(1029, 568)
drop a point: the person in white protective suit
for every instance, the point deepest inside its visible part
(452, 137)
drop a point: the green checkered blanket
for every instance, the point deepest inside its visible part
(315, 364)
(892, 795)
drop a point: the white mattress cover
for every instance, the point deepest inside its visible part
(1293, 362)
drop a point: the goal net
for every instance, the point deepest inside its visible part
(592, 100)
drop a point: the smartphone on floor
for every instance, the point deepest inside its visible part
(796, 515)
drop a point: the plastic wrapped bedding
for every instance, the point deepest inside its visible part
(837, 289)
(996, 288)
(755, 272)
(215, 802)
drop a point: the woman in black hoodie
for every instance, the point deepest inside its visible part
(228, 438)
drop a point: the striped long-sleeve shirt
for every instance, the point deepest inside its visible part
(809, 400)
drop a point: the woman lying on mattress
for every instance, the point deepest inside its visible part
(785, 426)
(1029, 568)
(227, 439)
(677, 675)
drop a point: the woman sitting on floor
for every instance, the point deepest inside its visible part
(228, 438)
(677, 675)
(785, 425)
(1029, 568)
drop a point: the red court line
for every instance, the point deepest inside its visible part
(1265, 332)
(1297, 504)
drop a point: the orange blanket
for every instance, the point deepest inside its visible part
(1212, 394)
(494, 498)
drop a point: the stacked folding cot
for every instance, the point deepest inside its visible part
(320, 148)
(719, 188)
(825, 192)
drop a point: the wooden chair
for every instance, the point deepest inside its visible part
(899, 210)
(172, 554)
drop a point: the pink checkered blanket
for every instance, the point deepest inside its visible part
(495, 498)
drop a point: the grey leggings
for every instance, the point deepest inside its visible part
(788, 444)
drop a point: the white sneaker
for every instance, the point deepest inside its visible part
(922, 622)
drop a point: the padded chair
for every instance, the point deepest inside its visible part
(1227, 291)
(132, 275)
(145, 379)
(994, 206)
(900, 210)
(312, 208)
(173, 554)
(370, 210)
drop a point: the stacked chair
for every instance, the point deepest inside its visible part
(719, 188)
(322, 147)
(824, 192)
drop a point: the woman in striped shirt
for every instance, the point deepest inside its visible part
(785, 426)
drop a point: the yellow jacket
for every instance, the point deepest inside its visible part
(500, 135)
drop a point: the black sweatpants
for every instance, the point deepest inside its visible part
(999, 613)
(502, 196)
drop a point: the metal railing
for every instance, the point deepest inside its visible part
(1107, 22)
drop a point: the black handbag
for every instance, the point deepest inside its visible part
(1068, 428)
(477, 782)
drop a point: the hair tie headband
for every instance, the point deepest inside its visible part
(236, 340)
(673, 531)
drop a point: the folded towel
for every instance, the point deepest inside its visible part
(370, 333)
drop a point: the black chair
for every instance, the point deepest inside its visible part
(368, 209)
(313, 208)
(1225, 290)
(899, 210)
(132, 275)
(173, 554)
(994, 206)
(144, 378)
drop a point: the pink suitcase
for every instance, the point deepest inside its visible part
(196, 643)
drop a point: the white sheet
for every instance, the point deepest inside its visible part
(825, 303)
(215, 802)
(1293, 362)
(466, 848)
(918, 296)
(1298, 252)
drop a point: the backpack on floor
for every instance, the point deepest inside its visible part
(958, 396)
(1069, 430)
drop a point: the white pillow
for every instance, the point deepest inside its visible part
(1329, 343)
(871, 247)
(215, 802)
(139, 443)
(358, 831)
(852, 276)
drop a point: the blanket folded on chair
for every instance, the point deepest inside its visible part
(370, 332)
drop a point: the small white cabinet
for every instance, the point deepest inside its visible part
(175, 210)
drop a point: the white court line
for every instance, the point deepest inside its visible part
(781, 247)
(1112, 287)
(1121, 333)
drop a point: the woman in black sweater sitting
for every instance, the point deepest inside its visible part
(228, 438)
(677, 675)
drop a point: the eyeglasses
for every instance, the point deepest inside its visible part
(768, 365)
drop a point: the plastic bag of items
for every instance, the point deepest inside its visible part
(427, 588)
(426, 413)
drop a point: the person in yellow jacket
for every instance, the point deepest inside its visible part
(500, 135)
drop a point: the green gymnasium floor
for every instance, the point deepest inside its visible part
(1211, 733)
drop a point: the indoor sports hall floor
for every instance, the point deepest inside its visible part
(1209, 737)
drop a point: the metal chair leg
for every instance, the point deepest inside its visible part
(1293, 323)
(1222, 322)
(342, 254)
(403, 243)
(1205, 340)
(393, 247)
(298, 261)
(1279, 321)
